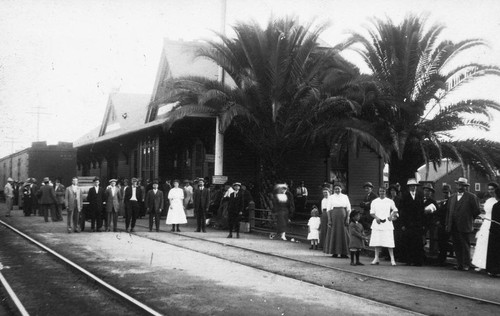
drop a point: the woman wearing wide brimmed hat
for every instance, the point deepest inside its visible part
(283, 207)
(337, 238)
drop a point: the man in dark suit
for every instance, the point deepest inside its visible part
(96, 199)
(443, 236)
(411, 217)
(60, 192)
(154, 205)
(366, 218)
(133, 198)
(235, 210)
(463, 207)
(201, 200)
(48, 199)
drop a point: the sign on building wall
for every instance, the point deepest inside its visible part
(219, 179)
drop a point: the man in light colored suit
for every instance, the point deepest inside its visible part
(154, 205)
(8, 191)
(113, 197)
(463, 208)
(74, 204)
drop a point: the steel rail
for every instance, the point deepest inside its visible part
(331, 268)
(13, 296)
(106, 285)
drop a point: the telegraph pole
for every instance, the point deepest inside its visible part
(38, 112)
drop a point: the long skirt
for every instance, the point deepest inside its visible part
(282, 221)
(323, 228)
(337, 238)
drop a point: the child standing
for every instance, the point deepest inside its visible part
(356, 237)
(314, 224)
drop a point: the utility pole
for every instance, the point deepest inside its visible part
(38, 112)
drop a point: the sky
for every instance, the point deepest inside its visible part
(62, 58)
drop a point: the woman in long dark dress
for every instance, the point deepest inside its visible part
(493, 255)
(283, 207)
(325, 207)
(337, 237)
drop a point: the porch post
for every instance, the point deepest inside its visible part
(219, 137)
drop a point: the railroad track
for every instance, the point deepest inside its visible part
(419, 299)
(39, 281)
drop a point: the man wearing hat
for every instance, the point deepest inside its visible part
(8, 191)
(96, 200)
(366, 218)
(48, 199)
(154, 205)
(201, 200)
(411, 217)
(462, 210)
(430, 213)
(112, 196)
(27, 199)
(60, 191)
(443, 236)
(235, 210)
(133, 198)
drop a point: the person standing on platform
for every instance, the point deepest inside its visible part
(235, 210)
(493, 255)
(356, 238)
(482, 236)
(188, 196)
(27, 199)
(112, 196)
(154, 206)
(430, 213)
(443, 236)
(74, 204)
(123, 188)
(366, 218)
(96, 200)
(301, 195)
(313, 225)
(337, 235)
(201, 201)
(383, 211)
(411, 216)
(166, 204)
(60, 191)
(132, 199)
(176, 214)
(325, 208)
(48, 199)
(34, 198)
(463, 208)
(283, 206)
(8, 192)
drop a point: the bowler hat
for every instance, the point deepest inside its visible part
(96, 179)
(155, 181)
(462, 181)
(493, 184)
(428, 186)
(113, 180)
(368, 184)
(46, 179)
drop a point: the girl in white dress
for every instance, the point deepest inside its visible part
(176, 214)
(384, 211)
(314, 224)
(479, 258)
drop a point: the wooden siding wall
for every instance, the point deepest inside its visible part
(309, 166)
(368, 166)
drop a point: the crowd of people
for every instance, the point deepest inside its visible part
(402, 222)
(399, 223)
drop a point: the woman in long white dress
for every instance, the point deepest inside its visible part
(482, 236)
(384, 211)
(176, 214)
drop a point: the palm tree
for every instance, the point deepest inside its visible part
(415, 75)
(277, 75)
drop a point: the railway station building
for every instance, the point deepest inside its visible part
(131, 141)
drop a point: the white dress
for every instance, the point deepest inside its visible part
(314, 223)
(480, 252)
(383, 233)
(176, 214)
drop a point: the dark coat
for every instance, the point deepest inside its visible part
(154, 202)
(462, 212)
(128, 194)
(411, 214)
(493, 255)
(367, 201)
(201, 199)
(95, 199)
(429, 218)
(236, 204)
(356, 235)
(47, 195)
